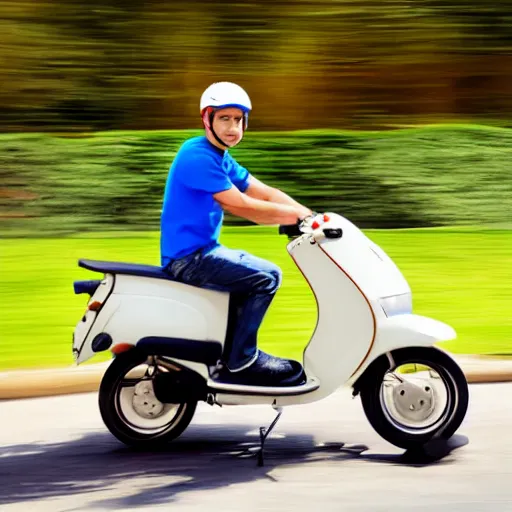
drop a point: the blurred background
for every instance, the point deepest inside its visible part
(110, 64)
(397, 114)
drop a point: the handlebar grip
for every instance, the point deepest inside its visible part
(290, 230)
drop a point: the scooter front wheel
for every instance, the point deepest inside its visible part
(130, 409)
(423, 396)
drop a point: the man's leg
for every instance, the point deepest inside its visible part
(254, 281)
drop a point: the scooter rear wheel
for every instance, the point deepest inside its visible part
(424, 396)
(130, 409)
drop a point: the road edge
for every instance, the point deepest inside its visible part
(21, 384)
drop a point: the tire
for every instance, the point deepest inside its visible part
(375, 394)
(118, 395)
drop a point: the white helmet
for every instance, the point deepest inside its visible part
(223, 95)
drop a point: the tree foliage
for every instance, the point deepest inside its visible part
(106, 64)
(115, 180)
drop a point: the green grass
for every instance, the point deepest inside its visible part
(460, 276)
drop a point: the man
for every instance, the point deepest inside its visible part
(204, 180)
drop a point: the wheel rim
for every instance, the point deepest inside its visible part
(418, 398)
(138, 407)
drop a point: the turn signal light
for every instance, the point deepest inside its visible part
(94, 306)
(120, 348)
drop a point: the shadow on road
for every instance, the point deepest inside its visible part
(205, 457)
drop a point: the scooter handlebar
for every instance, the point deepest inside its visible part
(308, 225)
(291, 230)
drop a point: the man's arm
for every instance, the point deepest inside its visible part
(257, 210)
(258, 190)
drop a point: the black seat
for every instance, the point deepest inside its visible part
(113, 267)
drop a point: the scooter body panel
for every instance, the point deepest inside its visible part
(139, 307)
(345, 328)
(362, 259)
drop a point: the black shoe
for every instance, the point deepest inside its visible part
(267, 370)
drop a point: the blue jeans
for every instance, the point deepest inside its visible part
(252, 283)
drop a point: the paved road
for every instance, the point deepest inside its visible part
(55, 455)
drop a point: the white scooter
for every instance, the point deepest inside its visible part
(168, 338)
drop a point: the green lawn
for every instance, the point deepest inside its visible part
(460, 276)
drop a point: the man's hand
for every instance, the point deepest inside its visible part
(303, 212)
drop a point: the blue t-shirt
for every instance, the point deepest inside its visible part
(191, 218)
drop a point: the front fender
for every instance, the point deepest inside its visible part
(403, 331)
(407, 330)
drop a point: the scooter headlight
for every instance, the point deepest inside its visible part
(397, 304)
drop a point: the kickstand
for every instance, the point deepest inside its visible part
(264, 433)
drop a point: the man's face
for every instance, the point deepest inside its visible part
(228, 124)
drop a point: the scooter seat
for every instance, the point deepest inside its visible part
(113, 267)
